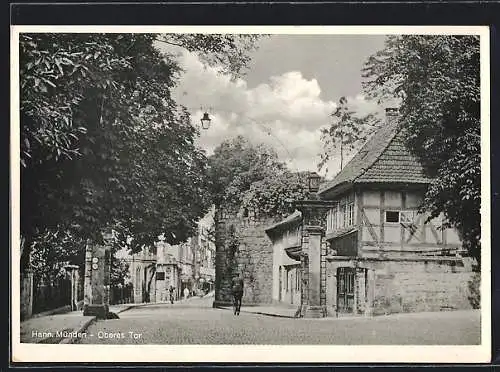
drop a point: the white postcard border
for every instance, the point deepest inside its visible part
(22, 352)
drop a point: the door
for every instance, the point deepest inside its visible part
(345, 289)
(280, 281)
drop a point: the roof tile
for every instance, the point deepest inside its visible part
(384, 158)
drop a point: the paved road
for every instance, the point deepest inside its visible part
(195, 322)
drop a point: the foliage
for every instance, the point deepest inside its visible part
(229, 52)
(275, 195)
(58, 70)
(347, 131)
(120, 274)
(437, 79)
(251, 177)
(235, 165)
(51, 251)
(232, 244)
(103, 143)
(54, 73)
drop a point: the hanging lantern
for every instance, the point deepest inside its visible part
(205, 121)
(314, 180)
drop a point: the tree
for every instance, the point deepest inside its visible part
(438, 80)
(235, 165)
(347, 131)
(103, 143)
(120, 273)
(244, 175)
(275, 195)
(230, 53)
(51, 252)
(58, 70)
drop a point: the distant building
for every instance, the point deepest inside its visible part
(168, 272)
(142, 267)
(203, 244)
(186, 265)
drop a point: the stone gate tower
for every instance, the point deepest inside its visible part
(242, 246)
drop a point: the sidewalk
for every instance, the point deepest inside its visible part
(61, 328)
(289, 312)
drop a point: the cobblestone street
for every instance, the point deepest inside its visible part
(196, 322)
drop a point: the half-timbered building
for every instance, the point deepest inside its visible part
(376, 252)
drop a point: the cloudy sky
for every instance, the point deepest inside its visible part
(290, 89)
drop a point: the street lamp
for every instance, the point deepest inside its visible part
(205, 121)
(314, 180)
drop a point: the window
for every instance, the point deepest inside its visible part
(347, 212)
(160, 275)
(408, 216)
(340, 217)
(392, 216)
(331, 219)
(138, 277)
(350, 214)
(287, 280)
(400, 216)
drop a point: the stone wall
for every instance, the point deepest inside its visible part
(395, 286)
(323, 277)
(243, 246)
(421, 286)
(304, 266)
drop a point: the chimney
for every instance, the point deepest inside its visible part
(391, 115)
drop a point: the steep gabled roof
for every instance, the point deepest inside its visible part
(383, 159)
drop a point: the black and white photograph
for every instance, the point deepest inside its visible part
(250, 193)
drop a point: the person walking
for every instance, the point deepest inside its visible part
(186, 293)
(237, 291)
(171, 292)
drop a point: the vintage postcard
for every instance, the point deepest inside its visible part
(250, 194)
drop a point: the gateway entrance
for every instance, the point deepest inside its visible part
(345, 289)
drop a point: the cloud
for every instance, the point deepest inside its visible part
(362, 106)
(285, 112)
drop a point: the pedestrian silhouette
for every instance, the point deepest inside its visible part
(237, 291)
(171, 292)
